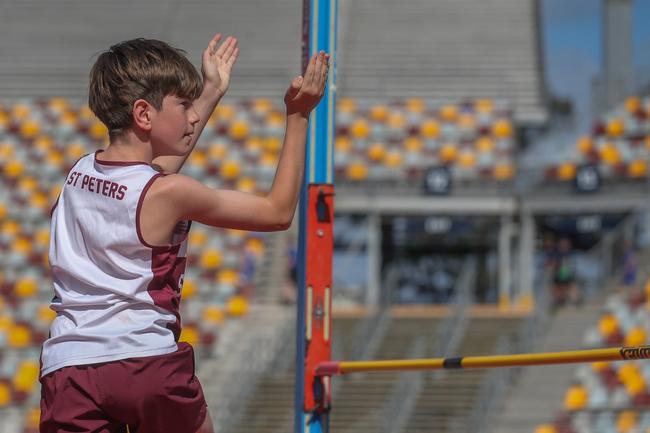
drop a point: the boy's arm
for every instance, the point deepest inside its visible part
(190, 199)
(216, 67)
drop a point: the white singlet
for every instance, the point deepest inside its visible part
(116, 297)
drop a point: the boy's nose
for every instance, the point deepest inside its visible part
(194, 116)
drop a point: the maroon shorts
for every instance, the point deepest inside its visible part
(153, 394)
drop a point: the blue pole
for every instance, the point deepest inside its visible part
(319, 33)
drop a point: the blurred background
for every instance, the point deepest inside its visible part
(492, 197)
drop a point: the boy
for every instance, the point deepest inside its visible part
(119, 233)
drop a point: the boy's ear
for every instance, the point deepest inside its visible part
(142, 114)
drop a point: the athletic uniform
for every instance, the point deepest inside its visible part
(112, 357)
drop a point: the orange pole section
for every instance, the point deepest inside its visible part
(592, 355)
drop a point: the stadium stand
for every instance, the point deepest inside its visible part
(618, 146)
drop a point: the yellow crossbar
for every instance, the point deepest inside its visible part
(592, 355)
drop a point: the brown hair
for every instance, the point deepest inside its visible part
(138, 69)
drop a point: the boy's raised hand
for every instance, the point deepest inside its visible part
(218, 62)
(306, 91)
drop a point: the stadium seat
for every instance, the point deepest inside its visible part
(237, 306)
(576, 398)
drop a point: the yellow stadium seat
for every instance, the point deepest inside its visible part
(255, 245)
(413, 144)
(42, 237)
(54, 158)
(210, 259)
(467, 159)
(269, 159)
(396, 120)
(213, 315)
(504, 171)
(576, 398)
(14, 169)
(484, 105)
(379, 113)
(20, 112)
(262, 105)
(342, 144)
(6, 322)
(393, 159)
(190, 335)
(26, 287)
(58, 105)
(360, 129)
(376, 152)
(10, 228)
(272, 144)
(224, 112)
(4, 120)
(626, 421)
(254, 144)
(32, 418)
(628, 371)
(275, 119)
(228, 276)
(584, 144)
(415, 105)
(27, 184)
(26, 376)
(502, 128)
(39, 200)
(466, 121)
(600, 366)
(448, 153)
(237, 306)
(430, 129)
(197, 238)
(615, 128)
(74, 151)
(68, 120)
(54, 193)
(610, 154)
(19, 337)
(485, 145)
(633, 104)
(3, 211)
(45, 314)
(346, 105)
(21, 245)
(189, 289)
(607, 325)
(635, 385)
(246, 184)
(6, 151)
(239, 129)
(43, 144)
(218, 151)
(546, 428)
(198, 158)
(566, 171)
(637, 169)
(449, 113)
(5, 394)
(230, 169)
(86, 114)
(357, 171)
(29, 129)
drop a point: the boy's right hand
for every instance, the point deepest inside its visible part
(306, 91)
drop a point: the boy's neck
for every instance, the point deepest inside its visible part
(128, 147)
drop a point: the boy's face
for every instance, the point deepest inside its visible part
(173, 126)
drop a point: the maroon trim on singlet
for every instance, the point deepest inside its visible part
(118, 163)
(139, 209)
(167, 268)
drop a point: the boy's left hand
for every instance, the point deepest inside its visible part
(218, 62)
